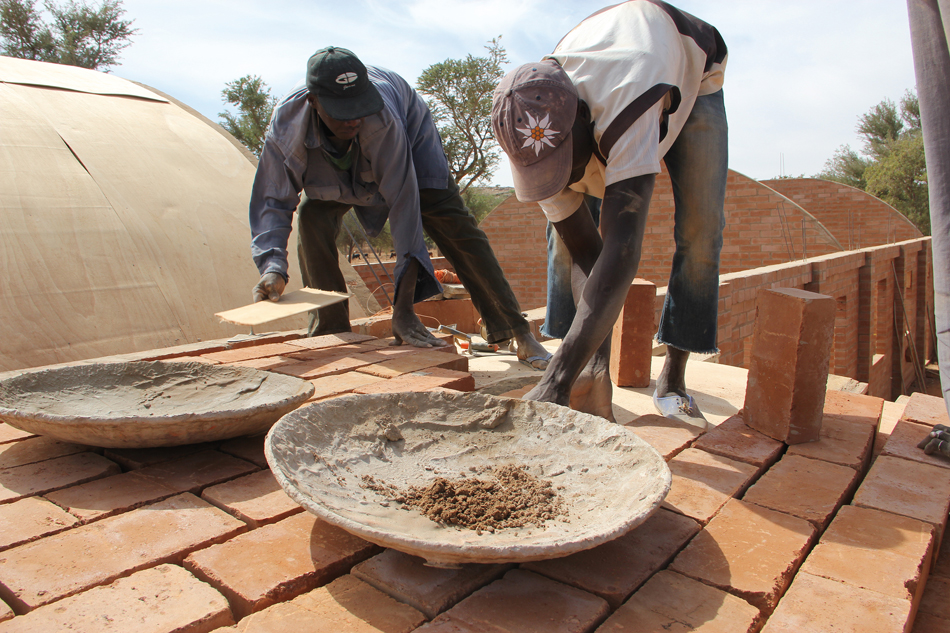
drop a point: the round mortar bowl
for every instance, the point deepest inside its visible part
(146, 404)
(608, 479)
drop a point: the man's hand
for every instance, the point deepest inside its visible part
(407, 328)
(271, 286)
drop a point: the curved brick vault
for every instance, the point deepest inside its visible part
(767, 223)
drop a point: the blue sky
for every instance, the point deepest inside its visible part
(799, 73)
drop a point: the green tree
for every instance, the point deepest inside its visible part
(254, 103)
(79, 34)
(891, 165)
(459, 95)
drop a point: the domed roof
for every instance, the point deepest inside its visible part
(124, 218)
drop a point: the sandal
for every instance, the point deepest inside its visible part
(680, 407)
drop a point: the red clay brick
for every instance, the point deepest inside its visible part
(326, 366)
(942, 560)
(735, 440)
(58, 566)
(926, 410)
(522, 602)
(36, 449)
(343, 383)
(109, 496)
(840, 442)
(40, 478)
(748, 551)
(672, 602)
(166, 598)
(667, 436)
(791, 349)
(927, 623)
(631, 348)
(806, 488)
(6, 613)
(330, 340)
(818, 605)
(278, 561)
(615, 569)
(703, 483)
(12, 434)
(256, 499)
(346, 605)
(433, 378)
(431, 590)
(853, 407)
(420, 360)
(267, 363)
(195, 472)
(903, 443)
(248, 353)
(28, 519)
(249, 448)
(136, 458)
(875, 550)
(936, 599)
(911, 489)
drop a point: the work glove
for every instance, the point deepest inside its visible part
(271, 286)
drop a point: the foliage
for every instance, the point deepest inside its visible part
(352, 239)
(78, 35)
(254, 103)
(459, 95)
(482, 200)
(892, 165)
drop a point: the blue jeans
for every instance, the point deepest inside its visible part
(697, 164)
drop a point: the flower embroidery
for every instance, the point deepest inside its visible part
(538, 134)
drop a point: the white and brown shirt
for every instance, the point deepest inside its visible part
(639, 66)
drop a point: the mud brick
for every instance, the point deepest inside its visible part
(734, 439)
(327, 352)
(903, 443)
(748, 551)
(12, 434)
(431, 590)
(195, 472)
(631, 349)
(420, 360)
(522, 602)
(703, 483)
(346, 605)
(250, 448)
(64, 564)
(805, 488)
(853, 407)
(788, 371)
(136, 458)
(927, 623)
(343, 383)
(278, 561)
(36, 449)
(240, 354)
(615, 569)
(911, 489)
(267, 363)
(840, 442)
(666, 435)
(326, 366)
(926, 410)
(330, 340)
(167, 597)
(942, 560)
(109, 496)
(256, 499)
(53, 474)
(935, 599)
(433, 378)
(672, 602)
(256, 340)
(819, 605)
(875, 550)
(28, 519)
(458, 312)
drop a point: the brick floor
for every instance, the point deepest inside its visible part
(926, 410)
(37, 449)
(12, 434)
(433, 378)
(109, 496)
(136, 458)
(278, 561)
(28, 519)
(522, 602)
(748, 551)
(42, 477)
(672, 602)
(196, 472)
(703, 483)
(249, 448)
(667, 436)
(431, 590)
(854, 407)
(330, 386)
(840, 441)
(257, 499)
(903, 443)
(64, 564)
(164, 598)
(733, 439)
(615, 569)
(936, 599)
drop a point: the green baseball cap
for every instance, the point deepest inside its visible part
(339, 81)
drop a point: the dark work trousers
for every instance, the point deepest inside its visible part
(449, 223)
